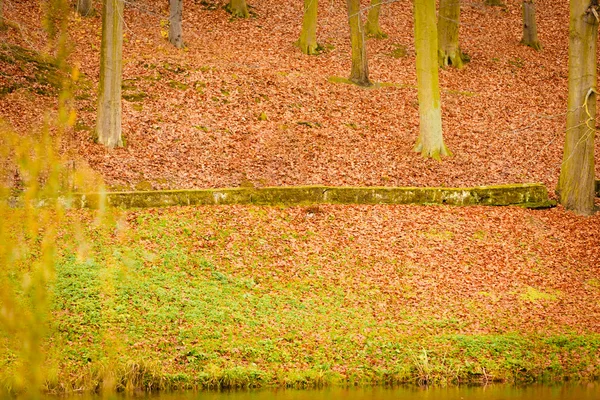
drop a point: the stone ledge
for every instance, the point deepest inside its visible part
(531, 195)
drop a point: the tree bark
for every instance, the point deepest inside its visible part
(175, 29)
(529, 26)
(108, 123)
(85, 7)
(238, 8)
(360, 66)
(449, 53)
(430, 142)
(372, 25)
(2, 26)
(576, 182)
(308, 37)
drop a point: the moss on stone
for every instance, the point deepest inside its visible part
(526, 195)
(539, 205)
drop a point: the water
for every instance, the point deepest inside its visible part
(494, 392)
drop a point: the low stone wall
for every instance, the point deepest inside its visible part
(532, 195)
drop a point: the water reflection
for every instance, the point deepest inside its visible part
(493, 392)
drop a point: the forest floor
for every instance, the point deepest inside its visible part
(231, 296)
(191, 118)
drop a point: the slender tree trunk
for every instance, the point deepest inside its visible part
(430, 142)
(360, 66)
(576, 183)
(372, 25)
(529, 26)
(175, 29)
(85, 7)
(108, 123)
(308, 37)
(2, 26)
(449, 53)
(238, 8)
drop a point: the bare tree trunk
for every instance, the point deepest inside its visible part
(108, 123)
(529, 26)
(175, 29)
(372, 25)
(85, 7)
(2, 26)
(430, 142)
(238, 8)
(576, 183)
(308, 37)
(360, 66)
(449, 53)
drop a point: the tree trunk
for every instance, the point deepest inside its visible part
(2, 26)
(372, 25)
(449, 53)
(360, 66)
(576, 183)
(529, 26)
(308, 37)
(175, 30)
(238, 8)
(430, 142)
(85, 7)
(108, 124)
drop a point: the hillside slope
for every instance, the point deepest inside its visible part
(191, 118)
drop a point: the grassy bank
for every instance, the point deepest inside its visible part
(246, 296)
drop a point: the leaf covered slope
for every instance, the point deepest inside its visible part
(242, 103)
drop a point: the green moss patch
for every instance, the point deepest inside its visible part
(130, 91)
(22, 68)
(534, 295)
(399, 51)
(134, 97)
(178, 85)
